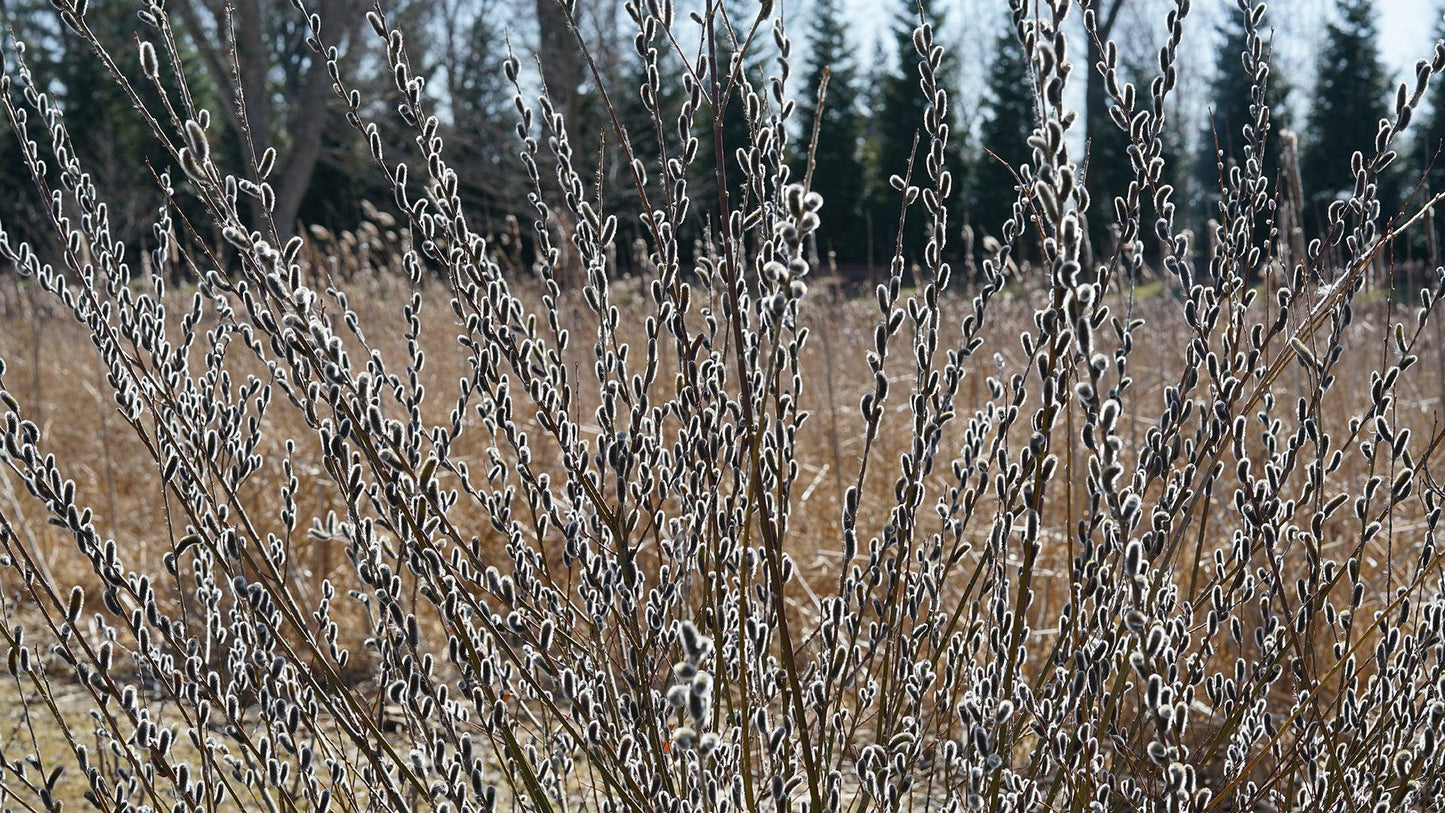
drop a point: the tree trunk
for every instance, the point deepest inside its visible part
(307, 126)
(562, 67)
(251, 56)
(307, 119)
(1096, 119)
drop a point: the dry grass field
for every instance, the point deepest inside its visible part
(53, 367)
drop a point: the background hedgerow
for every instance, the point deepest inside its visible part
(448, 512)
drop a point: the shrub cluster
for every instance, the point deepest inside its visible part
(579, 586)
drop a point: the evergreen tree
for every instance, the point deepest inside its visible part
(1107, 172)
(1349, 101)
(735, 131)
(1008, 119)
(1230, 100)
(899, 116)
(646, 138)
(122, 162)
(875, 183)
(1230, 113)
(1178, 159)
(483, 140)
(837, 172)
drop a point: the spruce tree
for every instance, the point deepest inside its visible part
(1008, 120)
(899, 113)
(483, 118)
(649, 142)
(875, 183)
(837, 171)
(1230, 102)
(1349, 101)
(1108, 175)
(730, 30)
(1108, 172)
(122, 162)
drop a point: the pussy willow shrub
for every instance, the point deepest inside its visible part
(634, 632)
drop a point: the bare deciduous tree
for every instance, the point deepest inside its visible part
(258, 61)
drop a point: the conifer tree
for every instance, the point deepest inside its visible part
(899, 113)
(482, 117)
(1008, 120)
(649, 139)
(1230, 102)
(1108, 171)
(837, 171)
(875, 182)
(731, 26)
(1349, 101)
(66, 67)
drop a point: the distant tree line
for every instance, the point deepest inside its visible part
(857, 118)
